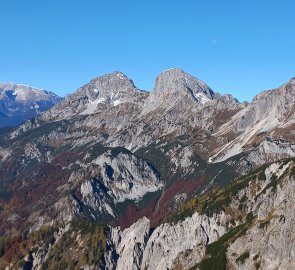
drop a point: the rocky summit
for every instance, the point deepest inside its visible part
(181, 177)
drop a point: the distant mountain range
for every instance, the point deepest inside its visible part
(19, 103)
(114, 177)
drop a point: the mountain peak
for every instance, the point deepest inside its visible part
(20, 102)
(173, 74)
(25, 93)
(173, 71)
(175, 82)
(112, 81)
(110, 89)
(292, 80)
(110, 86)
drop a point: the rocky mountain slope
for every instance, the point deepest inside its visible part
(19, 103)
(149, 178)
(271, 114)
(246, 225)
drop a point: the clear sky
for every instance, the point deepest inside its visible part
(236, 46)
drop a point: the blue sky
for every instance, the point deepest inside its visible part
(237, 46)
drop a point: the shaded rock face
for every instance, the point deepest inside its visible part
(19, 102)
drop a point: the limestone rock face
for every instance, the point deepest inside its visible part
(122, 177)
(126, 247)
(109, 90)
(169, 241)
(116, 178)
(140, 248)
(268, 240)
(174, 84)
(271, 114)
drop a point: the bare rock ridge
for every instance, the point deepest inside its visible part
(262, 239)
(107, 90)
(180, 104)
(115, 88)
(171, 86)
(271, 114)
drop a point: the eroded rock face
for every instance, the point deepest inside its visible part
(126, 247)
(270, 242)
(115, 178)
(139, 248)
(122, 177)
(267, 243)
(270, 115)
(170, 240)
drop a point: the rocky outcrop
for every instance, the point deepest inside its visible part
(122, 177)
(267, 241)
(139, 247)
(126, 247)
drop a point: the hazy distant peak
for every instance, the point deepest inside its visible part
(19, 102)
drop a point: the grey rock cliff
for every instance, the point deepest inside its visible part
(268, 242)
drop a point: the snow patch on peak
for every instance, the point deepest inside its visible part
(92, 106)
(24, 93)
(117, 102)
(202, 98)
